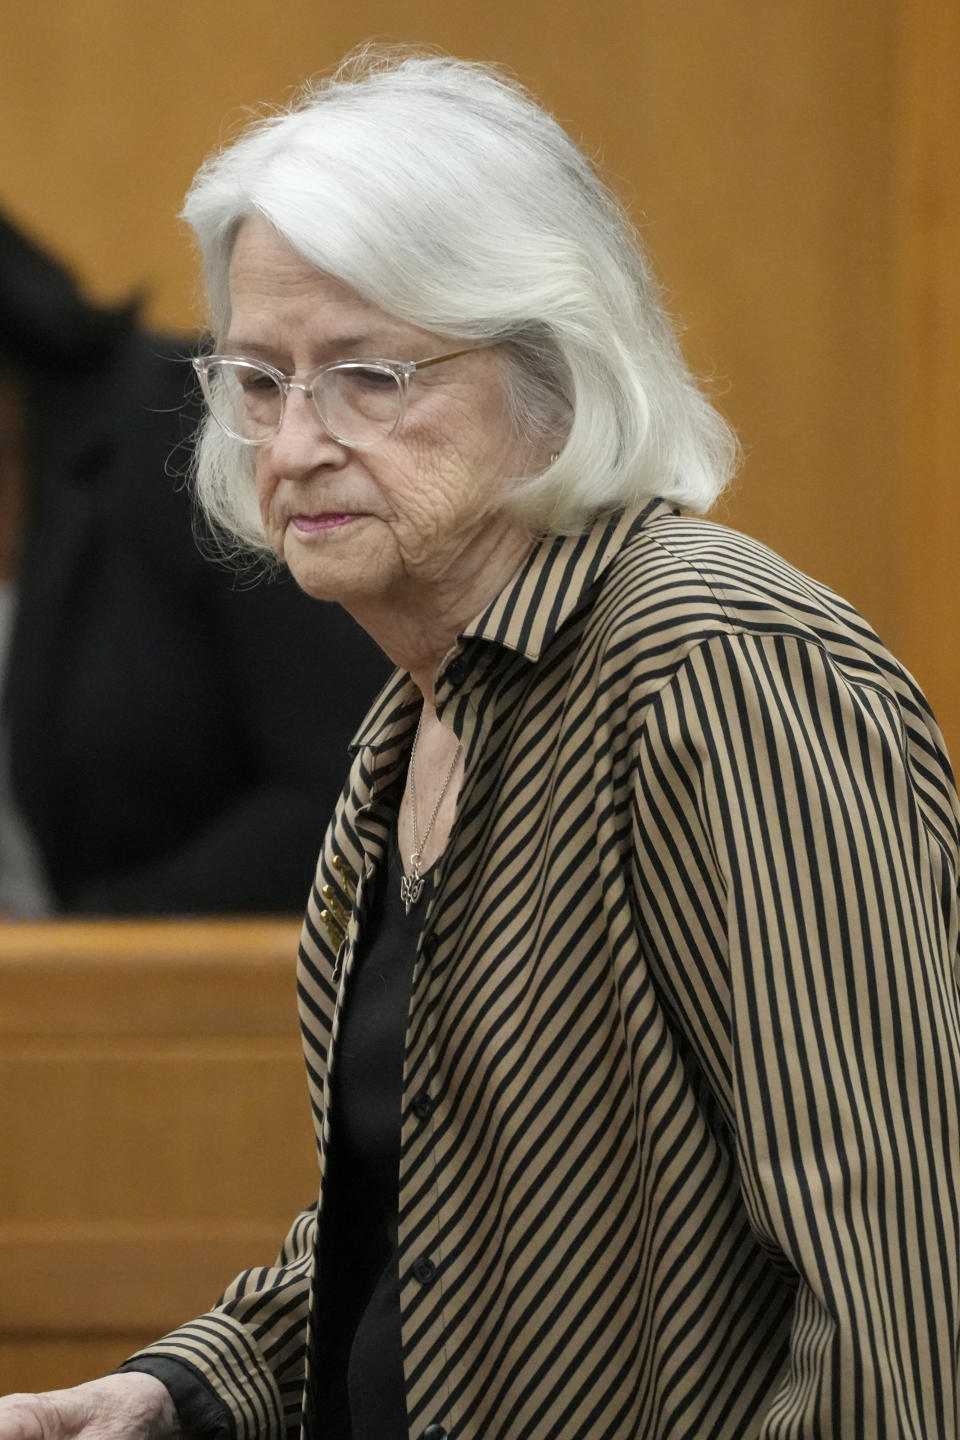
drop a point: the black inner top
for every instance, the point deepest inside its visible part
(356, 1366)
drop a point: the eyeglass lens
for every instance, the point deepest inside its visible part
(358, 404)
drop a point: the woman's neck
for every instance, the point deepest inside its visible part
(417, 629)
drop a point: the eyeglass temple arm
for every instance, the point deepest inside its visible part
(452, 355)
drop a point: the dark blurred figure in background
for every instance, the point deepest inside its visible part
(172, 739)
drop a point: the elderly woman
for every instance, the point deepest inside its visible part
(627, 982)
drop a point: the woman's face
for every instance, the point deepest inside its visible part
(415, 519)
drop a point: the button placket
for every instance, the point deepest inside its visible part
(422, 1262)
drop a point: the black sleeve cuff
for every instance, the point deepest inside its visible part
(202, 1413)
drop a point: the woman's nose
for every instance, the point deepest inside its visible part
(303, 442)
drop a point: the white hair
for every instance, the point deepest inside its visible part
(440, 191)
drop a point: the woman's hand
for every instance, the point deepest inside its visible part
(132, 1406)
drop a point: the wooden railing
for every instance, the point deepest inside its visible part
(154, 1130)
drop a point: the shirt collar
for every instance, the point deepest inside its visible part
(555, 578)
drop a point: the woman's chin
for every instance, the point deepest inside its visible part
(327, 566)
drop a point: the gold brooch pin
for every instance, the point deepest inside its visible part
(336, 917)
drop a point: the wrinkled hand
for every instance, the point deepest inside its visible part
(131, 1406)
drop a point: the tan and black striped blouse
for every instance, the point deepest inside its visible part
(681, 1105)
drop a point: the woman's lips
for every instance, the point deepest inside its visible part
(326, 520)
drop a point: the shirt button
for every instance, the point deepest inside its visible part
(429, 945)
(458, 670)
(424, 1270)
(422, 1106)
(435, 1432)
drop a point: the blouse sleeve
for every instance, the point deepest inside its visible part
(828, 822)
(238, 1371)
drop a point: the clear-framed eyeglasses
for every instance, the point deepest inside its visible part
(359, 402)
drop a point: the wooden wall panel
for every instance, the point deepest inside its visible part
(154, 1130)
(762, 156)
(928, 350)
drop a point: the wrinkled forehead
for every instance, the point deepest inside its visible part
(267, 272)
(279, 300)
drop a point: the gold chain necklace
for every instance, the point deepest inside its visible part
(411, 886)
